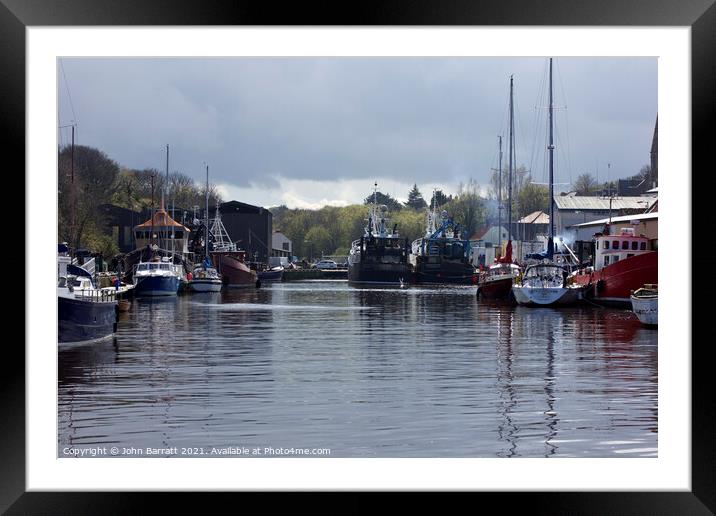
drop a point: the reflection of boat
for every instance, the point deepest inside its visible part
(545, 283)
(645, 304)
(622, 263)
(84, 313)
(379, 256)
(205, 277)
(230, 262)
(441, 256)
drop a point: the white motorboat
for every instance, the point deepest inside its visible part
(645, 304)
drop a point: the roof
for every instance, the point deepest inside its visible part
(536, 217)
(239, 207)
(653, 190)
(583, 202)
(161, 219)
(623, 218)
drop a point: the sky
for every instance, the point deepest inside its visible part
(308, 132)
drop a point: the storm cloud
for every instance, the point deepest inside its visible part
(301, 130)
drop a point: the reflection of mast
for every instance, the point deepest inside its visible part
(552, 419)
(507, 430)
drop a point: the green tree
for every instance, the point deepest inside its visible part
(415, 199)
(468, 207)
(95, 183)
(439, 198)
(381, 198)
(532, 197)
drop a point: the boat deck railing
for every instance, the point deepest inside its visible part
(96, 295)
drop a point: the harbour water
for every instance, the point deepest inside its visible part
(351, 372)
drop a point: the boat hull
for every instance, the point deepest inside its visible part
(85, 321)
(546, 296)
(445, 273)
(379, 273)
(496, 288)
(156, 286)
(235, 273)
(270, 275)
(205, 285)
(614, 283)
(646, 309)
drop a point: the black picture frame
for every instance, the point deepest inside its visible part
(16, 15)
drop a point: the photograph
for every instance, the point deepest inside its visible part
(381, 257)
(394, 257)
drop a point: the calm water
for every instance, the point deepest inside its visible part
(411, 372)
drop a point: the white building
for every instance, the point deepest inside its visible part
(281, 245)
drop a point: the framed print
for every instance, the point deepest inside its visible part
(229, 149)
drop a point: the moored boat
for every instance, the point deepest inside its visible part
(84, 313)
(645, 304)
(380, 256)
(272, 274)
(205, 277)
(441, 256)
(546, 284)
(158, 277)
(230, 262)
(622, 264)
(496, 282)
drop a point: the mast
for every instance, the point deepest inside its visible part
(511, 164)
(499, 198)
(550, 240)
(151, 235)
(166, 184)
(73, 195)
(206, 217)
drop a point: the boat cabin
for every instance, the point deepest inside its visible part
(609, 249)
(163, 231)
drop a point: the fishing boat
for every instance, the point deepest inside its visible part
(546, 283)
(230, 262)
(645, 304)
(205, 277)
(380, 256)
(622, 263)
(84, 313)
(442, 256)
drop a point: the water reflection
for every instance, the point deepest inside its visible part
(388, 372)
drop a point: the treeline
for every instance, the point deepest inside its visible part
(100, 180)
(330, 230)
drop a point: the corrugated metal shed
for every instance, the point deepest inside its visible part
(624, 218)
(579, 202)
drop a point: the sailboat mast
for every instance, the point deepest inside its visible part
(499, 196)
(511, 164)
(73, 194)
(550, 242)
(206, 216)
(166, 184)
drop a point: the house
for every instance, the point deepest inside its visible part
(532, 226)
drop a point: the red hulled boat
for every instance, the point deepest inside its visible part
(622, 263)
(496, 281)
